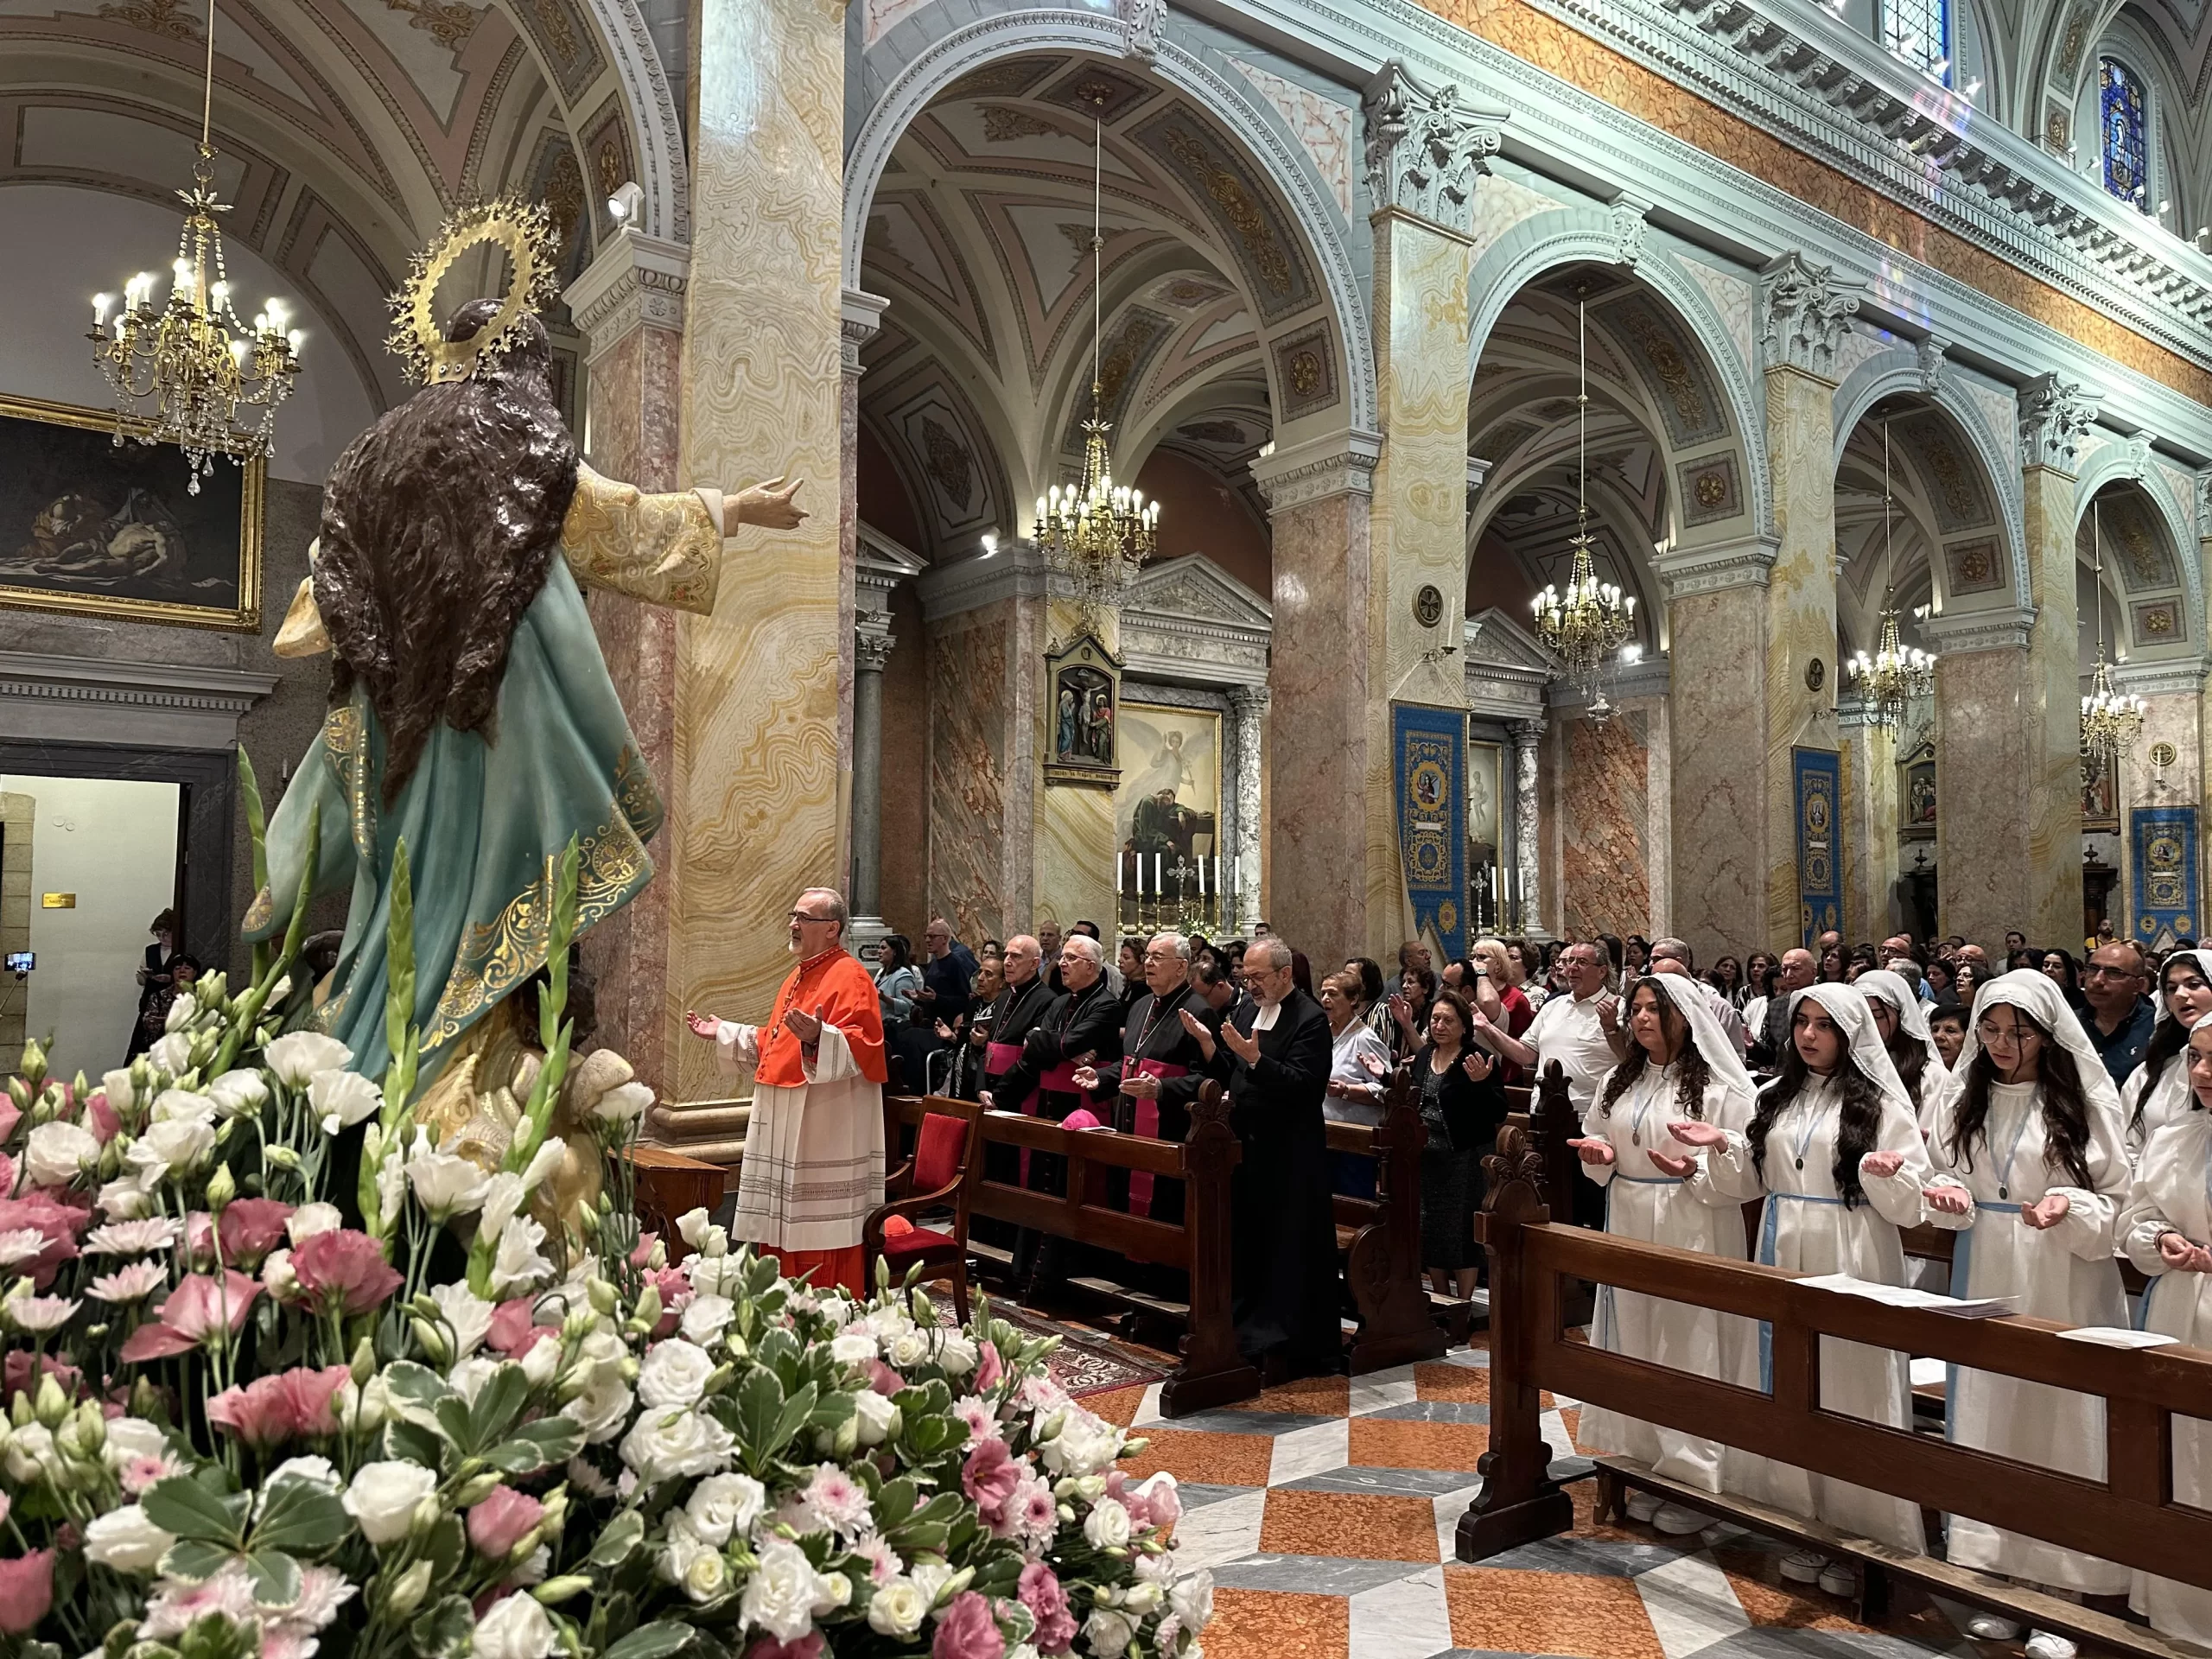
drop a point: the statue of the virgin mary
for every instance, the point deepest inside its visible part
(471, 711)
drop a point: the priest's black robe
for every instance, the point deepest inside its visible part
(1080, 1028)
(1153, 1039)
(1015, 1013)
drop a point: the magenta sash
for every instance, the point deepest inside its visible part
(1148, 1124)
(1060, 1080)
(999, 1059)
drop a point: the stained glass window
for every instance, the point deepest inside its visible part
(1919, 31)
(2120, 114)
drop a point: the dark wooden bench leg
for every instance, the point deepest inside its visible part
(1612, 1503)
(1873, 1593)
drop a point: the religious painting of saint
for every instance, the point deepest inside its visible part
(99, 528)
(1084, 689)
(2100, 809)
(1916, 794)
(1485, 763)
(1168, 806)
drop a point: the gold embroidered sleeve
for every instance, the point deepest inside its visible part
(665, 549)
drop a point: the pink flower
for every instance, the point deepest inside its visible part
(344, 1270)
(26, 1591)
(251, 1229)
(805, 1647)
(675, 1292)
(20, 1374)
(140, 1473)
(1031, 1512)
(884, 1381)
(502, 1520)
(837, 1499)
(989, 1477)
(1163, 1504)
(882, 1559)
(9, 1117)
(199, 1307)
(644, 1250)
(100, 1118)
(1041, 1594)
(967, 1631)
(61, 1223)
(511, 1332)
(989, 1368)
(982, 1422)
(270, 1410)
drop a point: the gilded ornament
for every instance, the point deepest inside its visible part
(524, 230)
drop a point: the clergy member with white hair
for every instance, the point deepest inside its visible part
(813, 1166)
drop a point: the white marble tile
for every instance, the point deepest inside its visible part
(1215, 1532)
(1311, 1450)
(1556, 1436)
(1405, 1618)
(1148, 1410)
(1449, 1508)
(1692, 1604)
(1382, 1389)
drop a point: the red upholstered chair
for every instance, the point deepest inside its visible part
(938, 1179)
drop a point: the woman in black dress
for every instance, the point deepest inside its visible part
(155, 985)
(1462, 1104)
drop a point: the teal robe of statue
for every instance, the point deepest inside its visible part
(487, 821)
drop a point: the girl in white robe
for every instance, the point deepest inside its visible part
(2164, 1230)
(1680, 1064)
(1903, 1021)
(2156, 1091)
(1834, 1149)
(2030, 1161)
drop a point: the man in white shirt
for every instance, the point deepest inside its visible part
(1584, 1032)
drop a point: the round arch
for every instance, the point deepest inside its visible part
(656, 124)
(2120, 463)
(1572, 236)
(1257, 131)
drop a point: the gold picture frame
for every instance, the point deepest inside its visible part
(91, 527)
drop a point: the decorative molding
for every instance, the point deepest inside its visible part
(656, 125)
(1931, 354)
(1187, 620)
(1142, 20)
(637, 282)
(2184, 679)
(1506, 669)
(1016, 571)
(2139, 455)
(1425, 149)
(1333, 464)
(860, 313)
(880, 565)
(1715, 567)
(157, 705)
(1805, 313)
(1631, 215)
(2056, 417)
(2005, 629)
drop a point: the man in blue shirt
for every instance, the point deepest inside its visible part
(2120, 1016)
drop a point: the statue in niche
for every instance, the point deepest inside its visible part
(471, 711)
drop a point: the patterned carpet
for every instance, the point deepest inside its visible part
(1326, 1509)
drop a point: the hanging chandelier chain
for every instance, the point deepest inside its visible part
(2112, 720)
(1589, 622)
(1895, 673)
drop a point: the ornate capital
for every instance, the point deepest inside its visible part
(1336, 464)
(2004, 628)
(2056, 415)
(859, 315)
(872, 641)
(1933, 367)
(1425, 149)
(2138, 454)
(1249, 702)
(1745, 562)
(1631, 214)
(637, 282)
(1806, 313)
(1141, 21)
(1527, 733)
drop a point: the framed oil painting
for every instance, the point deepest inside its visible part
(1485, 770)
(96, 528)
(1084, 688)
(1167, 805)
(1916, 794)
(2099, 808)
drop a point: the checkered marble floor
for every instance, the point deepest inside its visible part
(1326, 1510)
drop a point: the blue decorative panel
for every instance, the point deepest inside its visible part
(2163, 841)
(2119, 106)
(1818, 774)
(1429, 752)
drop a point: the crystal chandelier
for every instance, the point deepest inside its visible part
(1893, 676)
(1591, 620)
(1097, 534)
(183, 372)
(2111, 719)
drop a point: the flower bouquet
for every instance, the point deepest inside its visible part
(257, 1403)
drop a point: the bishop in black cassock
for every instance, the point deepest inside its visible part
(1006, 1025)
(1161, 1070)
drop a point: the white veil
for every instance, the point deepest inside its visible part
(1892, 990)
(1722, 1056)
(1847, 1007)
(2036, 994)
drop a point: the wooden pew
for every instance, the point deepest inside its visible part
(1383, 1265)
(2127, 1516)
(1211, 1372)
(671, 1185)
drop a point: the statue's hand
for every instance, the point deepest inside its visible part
(769, 506)
(703, 1026)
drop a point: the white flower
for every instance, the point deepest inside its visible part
(30, 1451)
(852, 1348)
(543, 1163)
(1108, 1632)
(392, 1182)
(172, 1053)
(470, 1377)
(898, 1607)
(516, 1628)
(677, 1441)
(115, 1085)
(520, 1265)
(931, 1577)
(779, 1596)
(316, 1471)
(125, 1199)
(126, 1541)
(182, 1106)
(277, 1276)
(20, 1245)
(1143, 1597)
(278, 992)
(365, 1409)
(955, 1354)
(721, 1506)
(705, 1316)
(57, 1152)
(1107, 1526)
(183, 1010)
(131, 1237)
(834, 1310)
(311, 1218)
(382, 1497)
(470, 1315)
(236, 1093)
(40, 1314)
(624, 1104)
(1085, 1446)
(1191, 1601)
(874, 1417)
(587, 1479)
(129, 1283)
(171, 1147)
(128, 1438)
(706, 1575)
(445, 1184)
(715, 1275)
(674, 1373)
(297, 1056)
(909, 1348)
(691, 1226)
(342, 1099)
(602, 1405)
(503, 1196)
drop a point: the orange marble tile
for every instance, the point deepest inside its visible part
(1117, 1406)
(1313, 1396)
(1386, 1443)
(1580, 1616)
(1210, 1459)
(1365, 1526)
(1771, 1602)
(1270, 1624)
(1456, 1383)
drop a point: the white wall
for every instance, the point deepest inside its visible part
(89, 242)
(113, 844)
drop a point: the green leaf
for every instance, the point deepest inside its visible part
(275, 1578)
(498, 1402)
(896, 1501)
(452, 1413)
(620, 1535)
(302, 1517)
(796, 1411)
(194, 1559)
(412, 1443)
(414, 1385)
(443, 1631)
(654, 1641)
(445, 1546)
(532, 1447)
(181, 1505)
(760, 1407)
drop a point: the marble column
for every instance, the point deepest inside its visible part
(1246, 703)
(872, 643)
(1527, 824)
(1869, 814)
(756, 794)
(629, 304)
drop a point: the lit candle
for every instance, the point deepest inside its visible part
(1158, 888)
(99, 309)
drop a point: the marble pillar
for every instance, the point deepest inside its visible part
(629, 304)
(757, 788)
(2052, 695)
(1246, 703)
(1869, 811)
(1318, 690)
(1528, 826)
(872, 643)
(1074, 872)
